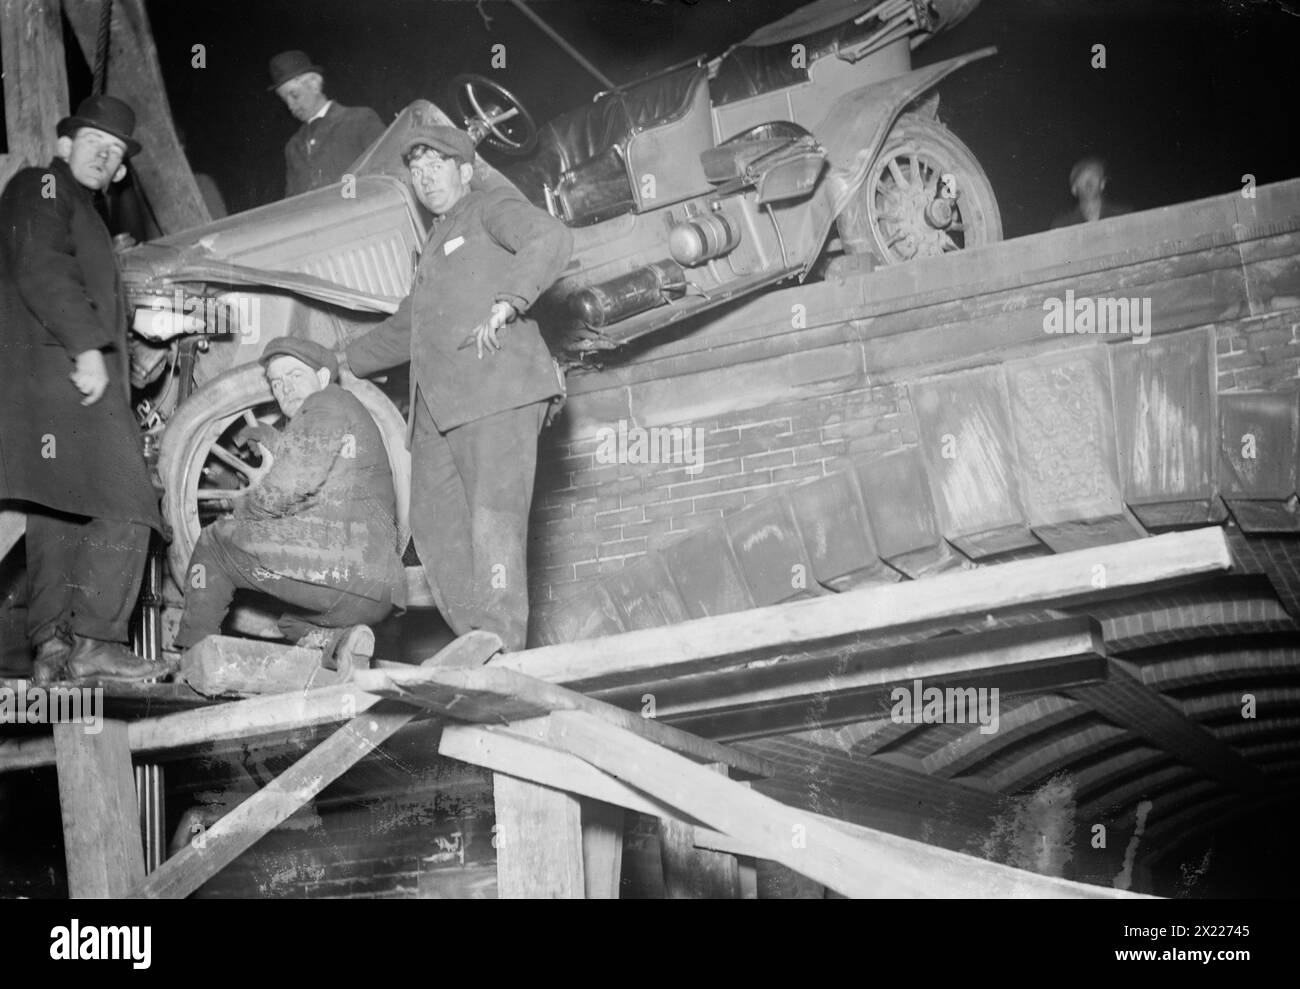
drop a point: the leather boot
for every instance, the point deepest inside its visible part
(95, 659)
(342, 649)
(51, 658)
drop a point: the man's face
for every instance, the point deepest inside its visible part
(292, 381)
(95, 157)
(1090, 182)
(302, 95)
(438, 181)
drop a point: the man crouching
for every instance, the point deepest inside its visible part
(316, 526)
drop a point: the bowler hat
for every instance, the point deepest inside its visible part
(310, 353)
(289, 65)
(443, 139)
(106, 113)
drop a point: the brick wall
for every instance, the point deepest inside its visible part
(590, 518)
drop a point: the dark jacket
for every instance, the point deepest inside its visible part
(491, 246)
(321, 151)
(325, 512)
(60, 295)
(1075, 216)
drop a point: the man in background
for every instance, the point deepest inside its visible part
(1088, 186)
(332, 136)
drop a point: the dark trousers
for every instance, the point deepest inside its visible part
(221, 565)
(471, 488)
(84, 573)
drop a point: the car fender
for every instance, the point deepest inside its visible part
(852, 133)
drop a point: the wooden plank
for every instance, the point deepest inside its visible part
(857, 863)
(235, 833)
(101, 825)
(496, 695)
(135, 76)
(35, 83)
(226, 666)
(970, 459)
(1008, 658)
(830, 622)
(958, 876)
(234, 721)
(538, 841)
(692, 873)
(523, 751)
(602, 849)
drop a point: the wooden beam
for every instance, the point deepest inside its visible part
(772, 830)
(827, 623)
(101, 824)
(231, 836)
(236, 721)
(692, 873)
(35, 83)
(495, 695)
(538, 841)
(852, 686)
(961, 876)
(602, 849)
(134, 75)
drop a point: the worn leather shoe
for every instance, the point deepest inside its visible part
(342, 649)
(95, 659)
(51, 660)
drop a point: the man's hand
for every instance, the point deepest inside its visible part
(258, 474)
(90, 376)
(485, 334)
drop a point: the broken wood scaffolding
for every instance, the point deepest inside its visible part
(567, 764)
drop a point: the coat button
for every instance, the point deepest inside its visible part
(419, 280)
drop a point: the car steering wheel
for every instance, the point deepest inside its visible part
(492, 114)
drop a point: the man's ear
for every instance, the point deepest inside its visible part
(323, 376)
(466, 172)
(120, 174)
(63, 148)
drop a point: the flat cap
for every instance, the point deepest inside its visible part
(443, 139)
(310, 353)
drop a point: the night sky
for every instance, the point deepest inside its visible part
(1195, 93)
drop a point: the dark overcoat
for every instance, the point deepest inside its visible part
(322, 150)
(325, 513)
(492, 246)
(60, 295)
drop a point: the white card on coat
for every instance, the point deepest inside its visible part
(452, 244)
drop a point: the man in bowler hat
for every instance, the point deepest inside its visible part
(332, 136)
(70, 449)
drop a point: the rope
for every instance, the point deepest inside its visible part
(101, 45)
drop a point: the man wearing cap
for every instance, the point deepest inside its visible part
(476, 410)
(316, 527)
(70, 449)
(332, 136)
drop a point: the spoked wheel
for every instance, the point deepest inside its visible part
(924, 196)
(202, 465)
